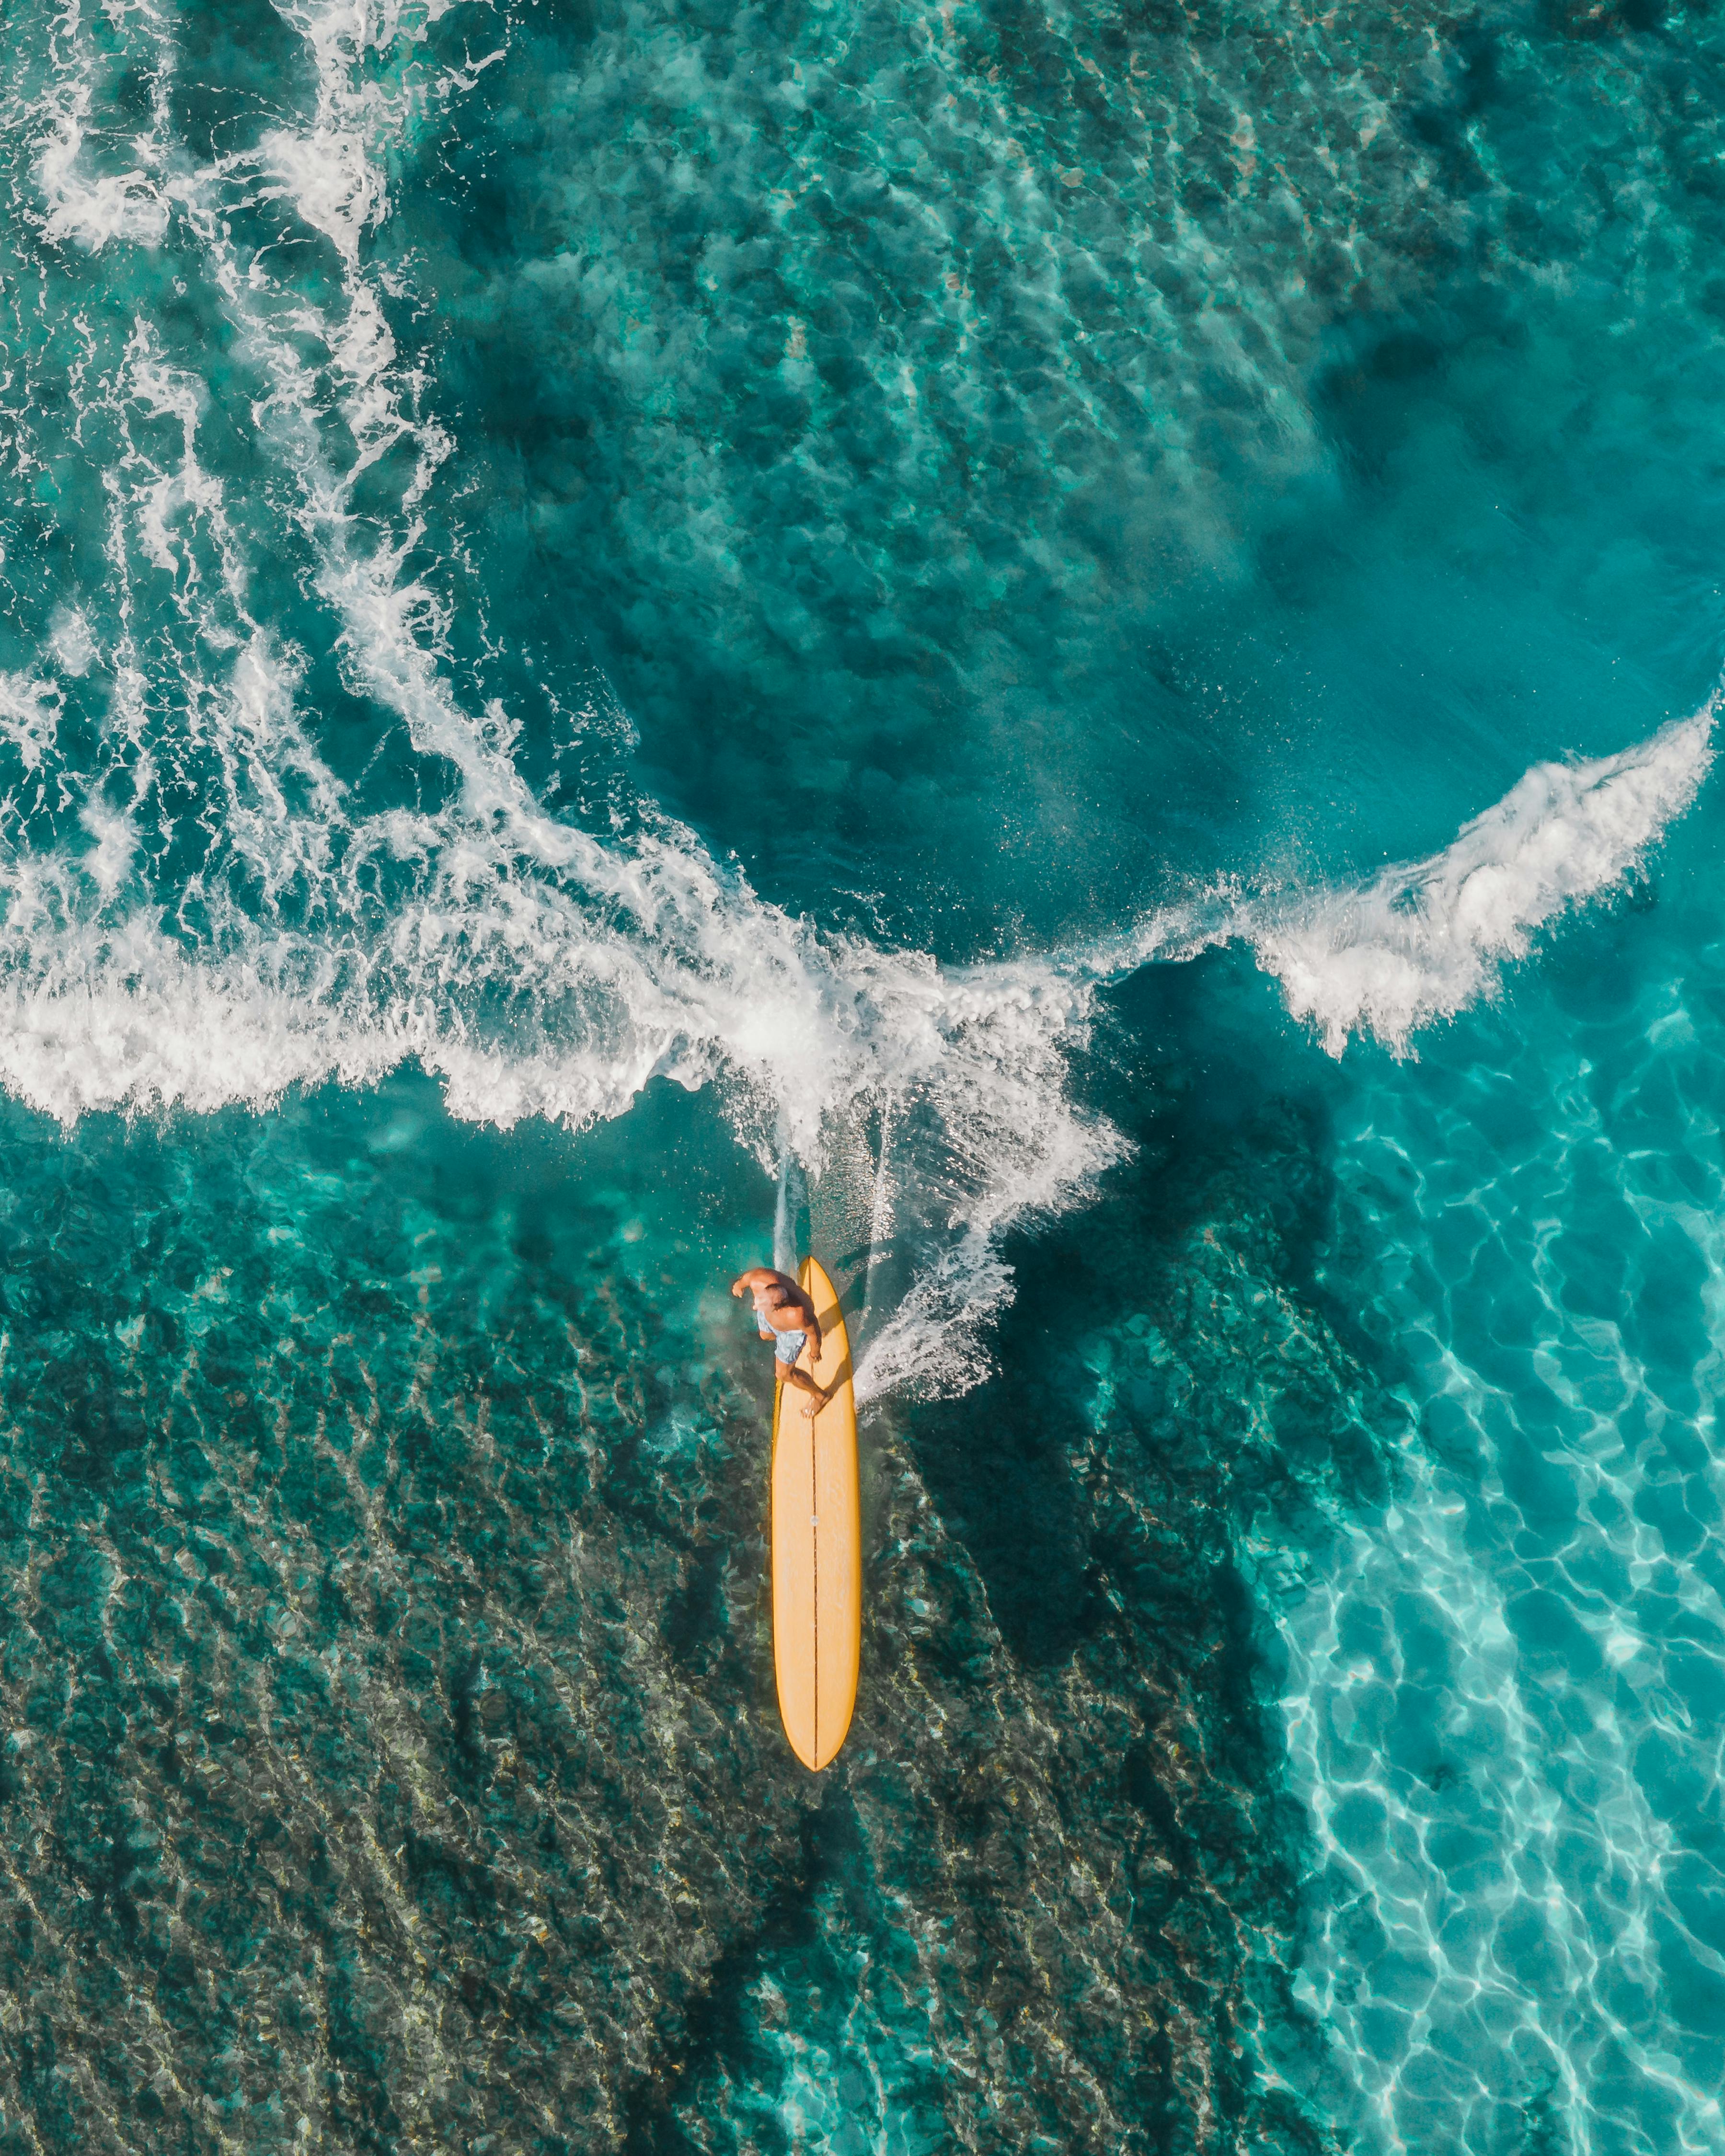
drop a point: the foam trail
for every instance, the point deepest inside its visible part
(29, 715)
(539, 969)
(784, 1220)
(1419, 943)
(1422, 941)
(89, 210)
(536, 969)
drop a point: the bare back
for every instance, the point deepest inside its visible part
(780, 1302)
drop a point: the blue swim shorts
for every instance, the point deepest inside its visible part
(787, 1346)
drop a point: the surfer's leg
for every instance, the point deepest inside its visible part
(803, 1383)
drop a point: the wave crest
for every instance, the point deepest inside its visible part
(199, 911)
(1421, 942)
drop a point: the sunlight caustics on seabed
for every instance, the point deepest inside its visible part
(1093, 642)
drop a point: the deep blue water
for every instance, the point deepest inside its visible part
(1070, 654)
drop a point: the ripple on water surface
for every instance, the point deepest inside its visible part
(1108, 453)
(1505, 1688)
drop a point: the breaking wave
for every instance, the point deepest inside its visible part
(537, 970)
(1418, 944)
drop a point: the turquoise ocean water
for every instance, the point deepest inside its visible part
(1073, 652)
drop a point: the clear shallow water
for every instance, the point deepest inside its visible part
(1075, 654)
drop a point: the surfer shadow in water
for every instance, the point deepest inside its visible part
(786, 1316)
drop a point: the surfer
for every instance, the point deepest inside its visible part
(786, 1316)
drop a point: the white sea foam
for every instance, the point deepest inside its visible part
(70, 644)
(87, 209)
(541, 970)
(1419, 943)
(537, 970)
(29, 715)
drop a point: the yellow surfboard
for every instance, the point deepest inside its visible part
(817, 1541)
